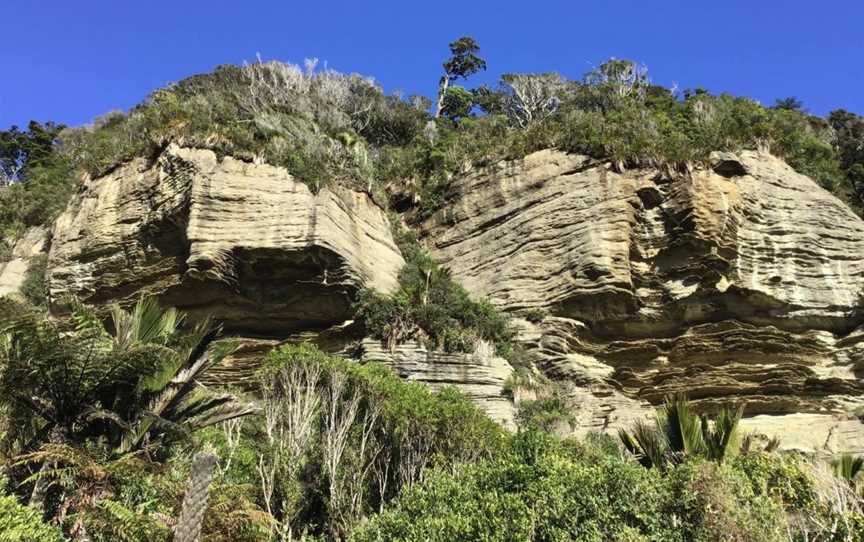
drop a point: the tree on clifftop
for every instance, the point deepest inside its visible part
(462, 64)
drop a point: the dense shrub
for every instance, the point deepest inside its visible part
(542, 490)
(781, 476)
(20, 523)
(714, 502)
(343, 439)
(431, 307)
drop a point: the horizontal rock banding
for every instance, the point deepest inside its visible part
(741, 282)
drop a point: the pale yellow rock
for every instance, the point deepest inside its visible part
(242, 242)
(740, 283)
(14, 271)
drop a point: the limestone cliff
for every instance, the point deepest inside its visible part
(736, 282)
(741, 282)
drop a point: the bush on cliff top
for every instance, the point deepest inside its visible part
(327, 127)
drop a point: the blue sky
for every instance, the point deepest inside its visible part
(70, 61)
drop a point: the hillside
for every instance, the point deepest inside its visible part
(566, 254)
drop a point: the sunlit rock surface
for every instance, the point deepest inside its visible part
(13, 272)
(241, 241)
(740, 282)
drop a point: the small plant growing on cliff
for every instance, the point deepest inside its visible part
(431, 307)
(679, 433)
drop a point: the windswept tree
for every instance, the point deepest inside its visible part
(789, 104)
(464, 63)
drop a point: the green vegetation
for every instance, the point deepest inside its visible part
(130, 385)
(849, 468)
(541, 489)
(679, 433)
(456, 102)
(344, 439)
(102, 414)
(19, 523)
(102, 417)
(431, 307)
(35, 180)
(326, 127)
(34, 289)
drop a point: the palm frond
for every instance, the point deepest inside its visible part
(723, 439)
(647, 443)
(146, 323)
(848, 467)
(223, 413)
(682, 426)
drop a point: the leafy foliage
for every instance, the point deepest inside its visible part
(20, 523)
(679, 433)
(343, 439)
(431, 307)
(133, 383)
(544, 490)
(35, 180)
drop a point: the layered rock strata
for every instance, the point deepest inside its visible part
(740, 282)
(240, 241)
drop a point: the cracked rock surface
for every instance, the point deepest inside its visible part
(243, 242)
(739, 282)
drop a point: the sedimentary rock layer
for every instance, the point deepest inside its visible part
(738, 282)
(242, 242)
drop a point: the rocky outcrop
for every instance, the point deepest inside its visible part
(740, 282)
(13, 272)
(480, 375)
(240, 241)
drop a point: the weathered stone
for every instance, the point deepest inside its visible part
(739, 283)
(13, 272)
(480, 375)
(242, 242)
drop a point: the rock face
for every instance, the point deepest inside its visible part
(243, 242)
(14, 271)
(480, 375)
(740, 282)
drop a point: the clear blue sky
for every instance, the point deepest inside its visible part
(71, 60)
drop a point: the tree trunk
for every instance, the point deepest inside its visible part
(442, 90)
(40, 486)
(195, 501)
